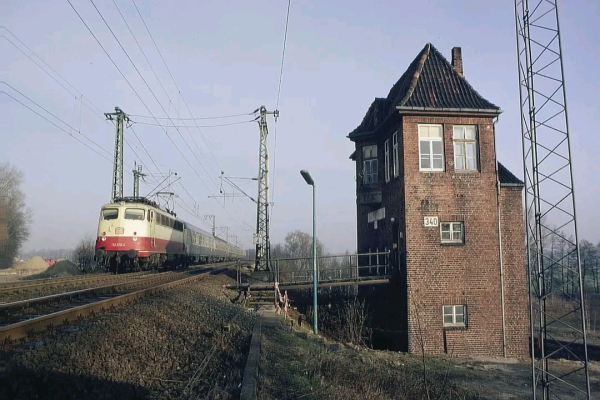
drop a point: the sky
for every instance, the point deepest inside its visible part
(223, 58)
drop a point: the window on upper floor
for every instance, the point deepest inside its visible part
(452, 232)
(370, 164)
(454, 315)
(395, 165)
(431, 148)
(465, 148)
(387, 160)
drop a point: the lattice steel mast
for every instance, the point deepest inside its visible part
(137, 174)
(262, 203)
(557, 307)
(117, 181)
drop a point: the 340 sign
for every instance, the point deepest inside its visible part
(431, 221)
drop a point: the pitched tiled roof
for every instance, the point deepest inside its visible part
(507, 177)
(430, 82)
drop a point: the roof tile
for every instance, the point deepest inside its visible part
(429, 82)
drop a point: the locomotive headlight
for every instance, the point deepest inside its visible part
(135, 236)
(104, 238)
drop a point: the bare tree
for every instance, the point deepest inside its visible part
(84, 254)
(14, 218)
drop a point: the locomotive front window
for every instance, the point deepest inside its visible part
(110, 213)
(134, 213)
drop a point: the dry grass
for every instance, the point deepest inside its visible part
(296, 368)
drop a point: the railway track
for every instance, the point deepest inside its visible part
(22, 290)
(21, 319)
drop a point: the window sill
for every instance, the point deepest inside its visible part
(467, 171)
(452, 243)
(455, 328)
(432, 170)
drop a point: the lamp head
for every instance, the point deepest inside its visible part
(307, 177)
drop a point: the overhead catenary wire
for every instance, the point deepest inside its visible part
(287, 20)
(188, 126)
(44, 70)
(159, 103)
(81, 97)
(132, 88)
(195, 118)
(153, 71)
(56, 125)
(175, 83)
(182, 97)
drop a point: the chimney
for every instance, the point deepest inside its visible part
(457, 60)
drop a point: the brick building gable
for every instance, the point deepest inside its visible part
(430, 82)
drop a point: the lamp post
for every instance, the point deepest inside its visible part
(309, 180)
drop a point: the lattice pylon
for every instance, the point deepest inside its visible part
(556, 289)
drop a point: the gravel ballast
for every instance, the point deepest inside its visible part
(188, 342)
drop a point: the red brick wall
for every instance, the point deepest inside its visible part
(438, 274)
(515, 272)
(466, 274)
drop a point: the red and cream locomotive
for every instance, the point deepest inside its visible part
(135, 233)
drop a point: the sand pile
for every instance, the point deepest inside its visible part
(36, 263)
(63, 268)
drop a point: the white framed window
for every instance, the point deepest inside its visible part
(370, 167)
(465, 147)
(431, 148)
(452, 232)
(455, 315)
(387, 160)
(395, 165)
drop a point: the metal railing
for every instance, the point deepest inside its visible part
(331, 268)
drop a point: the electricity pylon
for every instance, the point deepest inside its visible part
(262, 204)
(556, 306)
(117, 181)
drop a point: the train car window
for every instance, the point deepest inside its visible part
(178, 226)
(110, 213)
(134, 213)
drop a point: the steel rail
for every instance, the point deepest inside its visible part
(12, 286)
(26, 328)
(21, 304)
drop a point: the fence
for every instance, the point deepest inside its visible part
(331, 268)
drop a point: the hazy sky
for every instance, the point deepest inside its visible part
(225, 57)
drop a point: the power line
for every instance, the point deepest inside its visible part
(175, 83)
(184, 101)
(187, 126)
(50, 75)
(65, 123)
(132, 88)
(82, 97)
(287, 20)
(196, 118)
(59, 127)
(158, 101)
(163, 88)
(144, 147)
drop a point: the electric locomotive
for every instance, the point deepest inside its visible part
(136, 234)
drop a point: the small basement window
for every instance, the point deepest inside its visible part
(455, 315)
(452, 232)
(110, 213)
(135, 213)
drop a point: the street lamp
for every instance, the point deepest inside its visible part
(310, 181)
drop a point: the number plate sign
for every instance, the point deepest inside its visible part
(430, 221)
